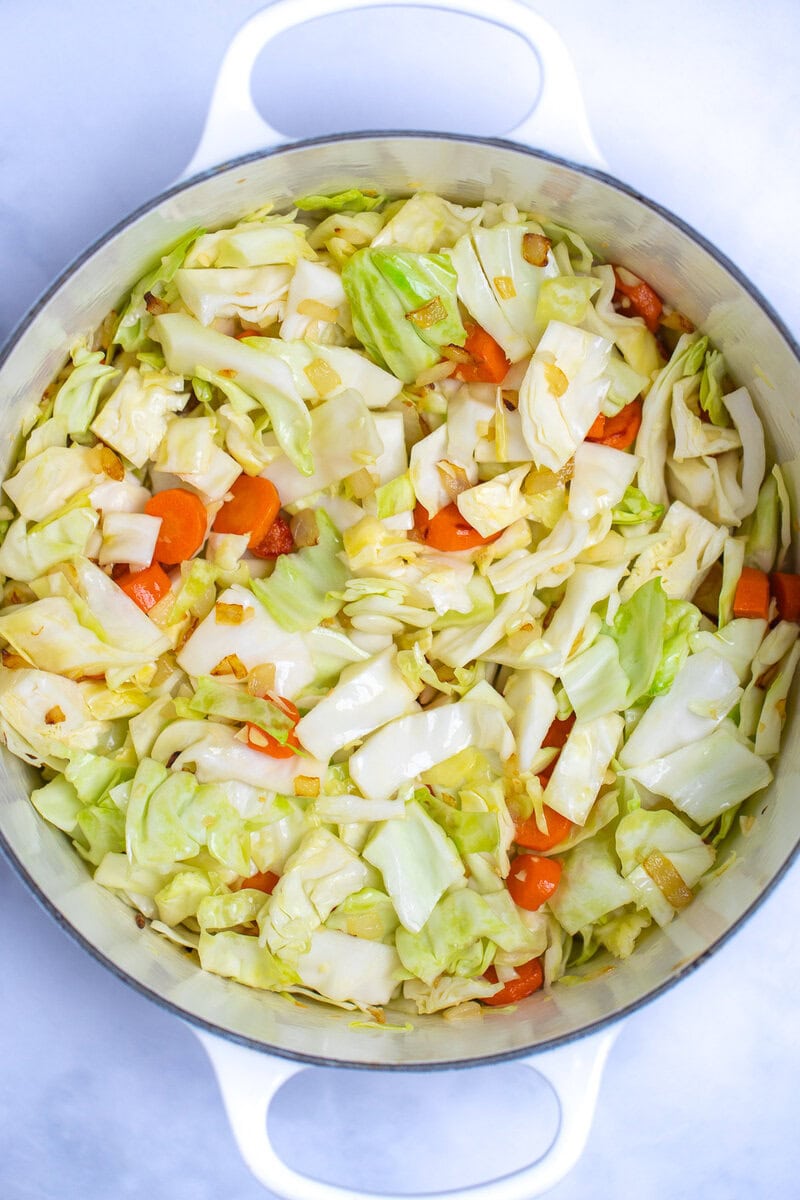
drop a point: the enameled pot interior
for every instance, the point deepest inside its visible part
(621, 227)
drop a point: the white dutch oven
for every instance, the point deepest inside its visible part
(256, 1040)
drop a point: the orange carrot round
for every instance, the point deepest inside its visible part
(448, 530)
(786, 590)
(252, 508)
(262, 881)
(489, 364)
(645, 302)
(529, 979)
(183, 524)
(532, 880)
(529, 835)
(554, 739)
(145, 587)
(619, 431)
(596, 429)
(752, 594)
(276, 541)
(259, 739)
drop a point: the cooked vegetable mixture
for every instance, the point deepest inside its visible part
(396, 602)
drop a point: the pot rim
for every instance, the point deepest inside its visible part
(49, 905)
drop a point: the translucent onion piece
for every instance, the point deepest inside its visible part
(454, 478)
(666, 878)
(306, 785)
(504, 286)
(303, 525)
(230, 665)
(457, 354)
(535, 248)
(322, 377)
(542, 479)
(360, 484)
(231, 614)
(429, 314)
(557, 381)
(317, 311)
(438, 371)
(104, 459)
(261, 680)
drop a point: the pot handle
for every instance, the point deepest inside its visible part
(557, 121)
(249, 1081)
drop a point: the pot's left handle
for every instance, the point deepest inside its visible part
(557, 121)
(249, 1081)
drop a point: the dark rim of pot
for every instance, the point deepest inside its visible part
(321, 1060)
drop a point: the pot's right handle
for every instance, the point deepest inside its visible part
(557, 121)
(249, 1081)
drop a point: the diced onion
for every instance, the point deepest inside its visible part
(438, 371)
(154, 304)
(261, 680)
(557, 381)
(306, 785)
(504, 286)
(230, 665)
(365, 925)
(231, 614)
(104, 459)
(429, 314)
(54, 715)
(14, 662)
(470, 1010)
(457, 354)
(317, 311)
(541, 479)
(667, 879)
(454, 478)
(535, 248)
(322, 377)
(304, 527)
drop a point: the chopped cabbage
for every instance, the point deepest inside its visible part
(367, 696)
(133, 419)
(418, 863)
(313, 382)
(562, 392)
(409, 745)
(257, 295)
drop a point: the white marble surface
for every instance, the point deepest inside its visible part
(101, 1093)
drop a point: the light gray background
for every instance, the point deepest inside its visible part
(103, 1095)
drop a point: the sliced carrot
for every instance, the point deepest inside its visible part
(145, 587)
(532, 880)
(597, 429)
(276, 541)
(786, 590)
(489, 364)
(554, 739)
(259, 739)
(558, 732)
(645, 302)
(529, 835)
(262, 881)
(620, 431)
(529, 979)
(448, 530)
(252, 508)
(184, 521)
(752, 594)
